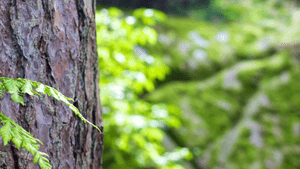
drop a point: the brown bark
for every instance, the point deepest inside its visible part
(52, 42)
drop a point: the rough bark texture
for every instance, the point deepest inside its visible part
(52, 42)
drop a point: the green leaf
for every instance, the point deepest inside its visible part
(17, 98)
(11, 85)
(44, 163)
(74, 109)
(5, 132)
(41, 88)
(15, 133)
(51, 92)
(36, 158)
(44, 154)
(63, 98)
(17, 139)
(21, 138)
(27, 88)
(1, 90)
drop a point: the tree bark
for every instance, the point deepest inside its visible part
(52, 42)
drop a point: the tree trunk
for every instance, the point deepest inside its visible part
(52, 42)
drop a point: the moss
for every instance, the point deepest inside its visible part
(3, 157)
(3, 154)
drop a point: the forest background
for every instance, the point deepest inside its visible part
(203, 84)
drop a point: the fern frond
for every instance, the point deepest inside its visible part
(12, 86)
(17, 139)
(6, 132)
(11, 131)
(1, 90)
(19, 86)
(27, 88)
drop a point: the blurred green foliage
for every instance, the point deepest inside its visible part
(241, 103)
(230, 93)
(134, 129)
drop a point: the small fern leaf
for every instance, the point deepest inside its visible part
(44, 163)
(40, 88)
(5, 132)
(12, 86)
(27, 135)
(1, 90)
(17, 139)
(44, 154)
(27, 88)
(30, 145)
(76, 112)
(25, 144)
(21, 138)
(63, 98)
(51, 93)
(36, 158)
(17, 98)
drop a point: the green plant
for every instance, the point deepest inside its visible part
(134, 128)
(241, 97)
(11, 131)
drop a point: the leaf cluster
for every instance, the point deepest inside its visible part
(15, 133)
(134, 127)
(11, 131)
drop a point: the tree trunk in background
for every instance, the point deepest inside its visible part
(52, 42)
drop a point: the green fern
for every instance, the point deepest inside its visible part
(21, 138)
(11, 131)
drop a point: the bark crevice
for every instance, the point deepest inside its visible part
(17, 47)
(15, 157)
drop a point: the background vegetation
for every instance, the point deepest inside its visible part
(217, 88)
